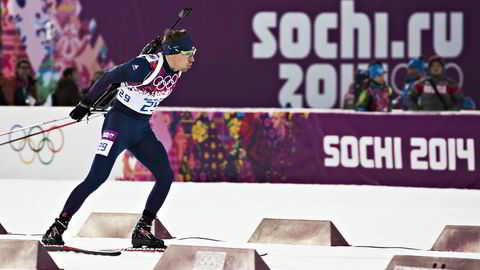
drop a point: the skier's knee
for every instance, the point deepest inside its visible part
(169, 177)
(166, 177)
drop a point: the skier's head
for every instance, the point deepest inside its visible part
(179, 50)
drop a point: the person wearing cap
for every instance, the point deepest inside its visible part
(435, 92)
(415, 71)
(145, 81)
(375, 95)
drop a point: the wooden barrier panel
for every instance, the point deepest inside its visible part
(181, 257)
(2, 230)
(299, 232)
(432, 263)
(117, 225)
(458, 238)
(24, 254)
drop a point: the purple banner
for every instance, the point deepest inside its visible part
(425, 150)
(303, 53)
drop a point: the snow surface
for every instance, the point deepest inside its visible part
(388, 218)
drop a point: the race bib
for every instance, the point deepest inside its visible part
(139, 102)
(108, 138)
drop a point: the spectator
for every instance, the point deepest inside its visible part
(3, 99)
(67, 92)
(351, 97)
(25, 88)
(95, 77)
(375, 95)
(415, 71)
(435, 92)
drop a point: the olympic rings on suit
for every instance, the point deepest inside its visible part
(165, 83)
(39, 148)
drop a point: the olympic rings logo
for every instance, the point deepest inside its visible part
(166, 82)
(42, 146)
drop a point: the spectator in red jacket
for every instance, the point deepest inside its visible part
(435, 92)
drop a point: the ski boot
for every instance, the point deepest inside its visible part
(53, 236)
(142, 237)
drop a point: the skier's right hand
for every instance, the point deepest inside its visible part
(81, 110)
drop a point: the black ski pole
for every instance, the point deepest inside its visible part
(43, 131)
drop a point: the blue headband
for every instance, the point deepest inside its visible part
(174, 47)
(375, 71)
